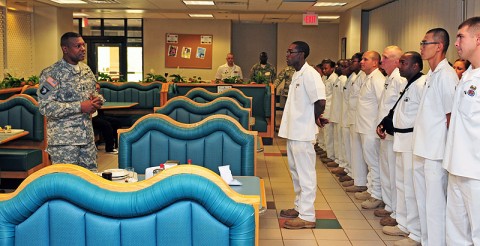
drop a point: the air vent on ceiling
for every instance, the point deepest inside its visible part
(230, 3)
(103, 1)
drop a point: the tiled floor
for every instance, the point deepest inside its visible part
(340, 218)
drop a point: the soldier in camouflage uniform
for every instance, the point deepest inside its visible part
(263, 68)
(285, 76)
(67, 97)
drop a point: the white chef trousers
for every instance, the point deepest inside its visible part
(359, 167)
(371, 146)
(463, 211)
(328, 133)
(430, 183)
(301, 160)
(406, 210)
(320, 138)
(387, 175)
(346, 149)
(337, 143)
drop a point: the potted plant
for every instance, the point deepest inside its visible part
(104, 77)
(232, 80)
(10, 81)
(177, 78)
(259, 78)
(33, 80)
(195, 79)
(155, 77)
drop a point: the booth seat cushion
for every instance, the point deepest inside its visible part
(21, 113)
(19, 159)
(182, 209)
(147, 96)
(260, 124)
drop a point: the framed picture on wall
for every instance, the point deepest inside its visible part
(344, 48)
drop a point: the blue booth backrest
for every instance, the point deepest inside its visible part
(147, 96)
(183, 109)
(21, 112)
(184, 209)
(214, 142)
(201, 95)
(32, 91)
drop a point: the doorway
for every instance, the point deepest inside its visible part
(108, 56)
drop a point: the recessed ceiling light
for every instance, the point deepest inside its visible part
(328, 4)
(69, 1)
(201, 15)
(198, 2)
(80, 15)
(325, 17)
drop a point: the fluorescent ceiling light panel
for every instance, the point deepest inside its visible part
(325, 17)
(69, 1)
(328, 4)
(198, 2)
(80, 15)
(201, 15)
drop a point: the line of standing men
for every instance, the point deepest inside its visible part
(401, 161)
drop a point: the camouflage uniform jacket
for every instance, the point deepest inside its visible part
(285, 75)
(60, 93)
(268, 71)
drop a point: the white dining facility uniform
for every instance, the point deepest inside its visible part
(320, 135)
(335, 118)
(328, 131)
(394, 84)
(429, 138)
(224, 71)
(359, 167)
(366, 125)
(462, 159)
(404, 117)
(345, 126)
(299, 128)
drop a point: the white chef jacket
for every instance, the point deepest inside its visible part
(346, 91)
(430, 131)
(356, 84)
(298, 119)
(368, 101)
(462, 153)
(405, 114)
(337, 99)
(224, 71)
(329, 83)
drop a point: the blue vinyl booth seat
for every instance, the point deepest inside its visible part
(69, 205)
(147, 96)
(215, 141)
(185, 110)
(31, 91)
(202, 95)
(21, 157)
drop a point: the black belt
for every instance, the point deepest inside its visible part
(403, 130)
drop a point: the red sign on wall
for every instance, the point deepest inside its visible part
(310, 19)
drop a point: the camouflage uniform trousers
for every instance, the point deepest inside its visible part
(82, 155)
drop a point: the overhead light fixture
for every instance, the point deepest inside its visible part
(201, 15)
(69, 1)
(328, 4)
(79, 14)
(198, 2)
(326, 17)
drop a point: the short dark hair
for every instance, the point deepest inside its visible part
(358, 56)
(328, 61)
(474, 21)
(416, 58)
(466, 62)
(302, 47)
(441, 35)
(66, 36)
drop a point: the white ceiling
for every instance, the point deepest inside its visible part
(257, 11)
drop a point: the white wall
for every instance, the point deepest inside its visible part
(154, 44)
(350, 28)
(404, 23)
(322, 39)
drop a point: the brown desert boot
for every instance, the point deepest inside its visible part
(298, 223)
(356, 188)
(323, 155)
(332, 164)
(348, 183)
(289, 213)
(381, 213)
(372, 203)
(362, 196)
(345, 178)
(388, 221)
(406, 242)
(326, 160)
(394, 231)
(337, 170)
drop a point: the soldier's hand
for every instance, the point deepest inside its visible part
(87, 107)
(97, 102)
(381, 132)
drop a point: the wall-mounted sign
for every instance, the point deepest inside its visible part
(310, 19)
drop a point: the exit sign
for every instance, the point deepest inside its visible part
(310, 19)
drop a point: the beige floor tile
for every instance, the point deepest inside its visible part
(332, 191)
(349, 214)
(368, 214)
(285, 197)
(269, 223)
(368, 243)
(270, 234)
(339, 198)
(354, 224)
(362, 235)
(333, 243)
(322, 206)
(303, 234)
(263, 242)
(269, 214)
(342, 206)
(330, 234)
(389, 243)
(375, 224)
(300, 243)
